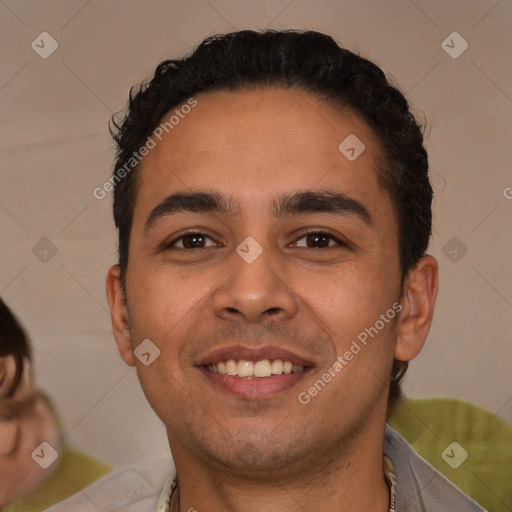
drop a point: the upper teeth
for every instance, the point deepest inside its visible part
(263, 368)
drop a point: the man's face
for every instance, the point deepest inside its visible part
(304, 299)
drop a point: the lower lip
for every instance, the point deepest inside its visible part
(254, 388)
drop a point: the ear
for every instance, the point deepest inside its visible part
(7, 372)
(418, 300)
(119, 315)
(13, 399)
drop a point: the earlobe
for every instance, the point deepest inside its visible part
(418, 301)
(119, 315)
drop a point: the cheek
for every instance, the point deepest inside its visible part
(356, 310)
(165, 306)
(348, 299)
(8, 435)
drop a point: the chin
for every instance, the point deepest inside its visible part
(254, 452)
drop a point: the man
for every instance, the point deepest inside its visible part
(274, 209)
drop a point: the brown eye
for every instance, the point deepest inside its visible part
(191, 241)
(318, 240)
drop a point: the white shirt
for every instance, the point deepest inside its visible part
(145, 486)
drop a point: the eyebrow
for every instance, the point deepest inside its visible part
(324, 201)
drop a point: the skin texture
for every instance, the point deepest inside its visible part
(26, 420)
(236, 453)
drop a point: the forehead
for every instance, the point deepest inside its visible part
(252, 144)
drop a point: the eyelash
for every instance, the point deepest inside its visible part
(341, 243)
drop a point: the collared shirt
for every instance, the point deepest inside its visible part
(414, 484)
(390, 475)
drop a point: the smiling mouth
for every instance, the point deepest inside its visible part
(245, 369)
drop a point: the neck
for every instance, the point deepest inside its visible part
(352, 480)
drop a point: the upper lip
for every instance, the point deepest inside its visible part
(270, 352)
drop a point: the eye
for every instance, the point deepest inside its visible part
(319, 240)
(191, 241)
(312, 240)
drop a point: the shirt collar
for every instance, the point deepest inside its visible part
(391, 479)
(164, 501)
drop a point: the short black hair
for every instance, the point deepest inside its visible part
(307, 61)
(13, 341)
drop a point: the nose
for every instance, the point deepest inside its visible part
(255, 291)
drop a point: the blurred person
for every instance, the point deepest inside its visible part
(27, 418)
(273, 208)
(37, 467)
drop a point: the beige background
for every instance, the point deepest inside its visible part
(56, 150)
